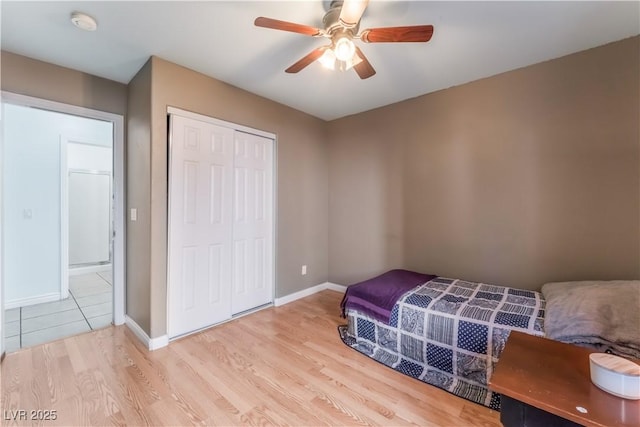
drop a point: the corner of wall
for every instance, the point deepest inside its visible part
(138, 292)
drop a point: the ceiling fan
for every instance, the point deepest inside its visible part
(341, 26)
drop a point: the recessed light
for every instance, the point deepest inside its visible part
(84, 21)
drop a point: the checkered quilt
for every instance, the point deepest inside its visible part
(449, 333)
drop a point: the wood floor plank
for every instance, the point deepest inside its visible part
(222, 393)
(75, 354)
(279, 366)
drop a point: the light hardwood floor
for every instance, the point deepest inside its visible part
(279, 366)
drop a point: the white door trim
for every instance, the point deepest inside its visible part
(119, 185)
(2, 352)
(64, 219)
(218, 122)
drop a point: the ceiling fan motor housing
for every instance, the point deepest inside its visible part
(331, 21)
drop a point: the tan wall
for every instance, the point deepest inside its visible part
(302, 181)
(518, 179)
(39, 79)
(139, 197)
(366, 199)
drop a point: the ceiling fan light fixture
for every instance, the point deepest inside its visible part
(344, 49)
(328, 59)
(355, 60)
(348, 64)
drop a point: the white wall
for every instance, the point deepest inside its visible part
(31, 190)
(91, 157)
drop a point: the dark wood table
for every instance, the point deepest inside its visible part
(554, 377)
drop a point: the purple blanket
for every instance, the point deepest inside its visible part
(376, 297)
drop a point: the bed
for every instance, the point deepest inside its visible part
(450, 333)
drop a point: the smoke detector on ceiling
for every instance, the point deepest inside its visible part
(84, 21)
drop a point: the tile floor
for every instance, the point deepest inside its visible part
(88, 307)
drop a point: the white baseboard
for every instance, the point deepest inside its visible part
(159, 342)
(300, 294)
(76, 271)
(336, 287)
(163, 341)
(309, 291)
(39, 299)
(150, 343)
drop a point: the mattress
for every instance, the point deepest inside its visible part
(448, 333)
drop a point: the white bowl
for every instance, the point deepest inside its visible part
(615, 375)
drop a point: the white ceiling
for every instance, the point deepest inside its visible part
(472, 40)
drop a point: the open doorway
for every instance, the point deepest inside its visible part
(62, 270)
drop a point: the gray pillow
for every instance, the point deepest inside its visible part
(603, 314)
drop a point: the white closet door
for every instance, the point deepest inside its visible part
(200, 225)
(252, 222)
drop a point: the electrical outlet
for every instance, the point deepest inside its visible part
(304, 270)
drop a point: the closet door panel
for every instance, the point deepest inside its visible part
(200, 225)
(253, 222)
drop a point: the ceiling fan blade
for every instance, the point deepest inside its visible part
(286, 26)
(352, 11)
(363, 68)
(314, 55)
(416, 33)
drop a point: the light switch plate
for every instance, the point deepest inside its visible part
(134, 214)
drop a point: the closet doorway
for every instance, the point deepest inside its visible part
(62, 227)
(221, 221)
